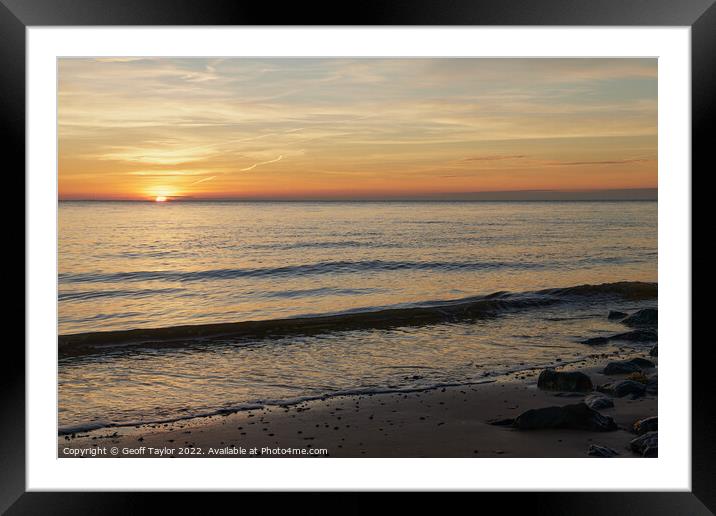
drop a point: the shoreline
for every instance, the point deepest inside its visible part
(449, 421)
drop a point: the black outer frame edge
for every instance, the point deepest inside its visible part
(12, 379)
(699, 13)
(367, 12)
(703, 122)
(534, 504)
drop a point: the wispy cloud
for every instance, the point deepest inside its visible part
(495, 158)
(604, 162)
(261, 163)
(202, 180)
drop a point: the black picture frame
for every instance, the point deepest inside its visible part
(17, 15)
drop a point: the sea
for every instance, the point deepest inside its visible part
(209, 307)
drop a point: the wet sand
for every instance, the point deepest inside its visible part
(445, 422)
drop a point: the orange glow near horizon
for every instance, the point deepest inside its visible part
(200, 128)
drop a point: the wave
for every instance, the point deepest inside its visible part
(94, 294)
(322, 291)
(332, 267)
(331, 244)
(631, 290)
(432, 312)
(329, 267)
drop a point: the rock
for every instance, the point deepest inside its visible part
(645, 317)
(638, 377)
(623, 367)
(598, 401)
(623, 388)
(634, 365)
(629, 387)
(642, 362)
(652, 385)
(596, 450)
(615, 314)
(649, 424)
(654, 351)
(646, 445)
(552, 380)
(578, 417)
(508, 421)
(595, 341)
(641, 335)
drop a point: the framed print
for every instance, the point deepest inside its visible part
(411, 249)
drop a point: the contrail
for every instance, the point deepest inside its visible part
(261, 163)
(202, 180)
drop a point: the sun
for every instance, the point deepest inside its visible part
(160, 198)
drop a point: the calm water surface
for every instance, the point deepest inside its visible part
(151, 265)
(146, 265)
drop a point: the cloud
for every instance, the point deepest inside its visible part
(261, 163)
(495, 158)
(606, 162)
(202, 180)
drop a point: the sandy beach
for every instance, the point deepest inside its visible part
(444, 422)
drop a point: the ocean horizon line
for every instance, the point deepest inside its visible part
(352, 201)
(625, 194)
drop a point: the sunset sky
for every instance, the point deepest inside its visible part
(270, 128)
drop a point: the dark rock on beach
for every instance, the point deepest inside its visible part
(598, 401)
(646, 445)
(634, 365)
(645, 317)
(649, 424)
(552, 380)
(578, 417)
(654, 351)
(595, 341)
(652, 385)
(623, 388)
(621, 368)
(615, 315)
(642, 362)
(596, 450)
(640, 335)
